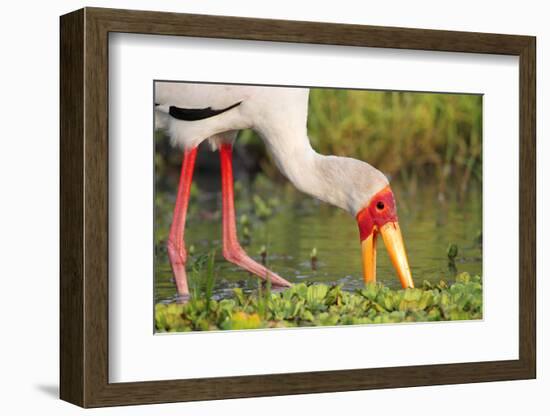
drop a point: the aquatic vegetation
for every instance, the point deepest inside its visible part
(452, 252)
(246, 235)
(263, 253)
(202, 276)
(479, 238)
(244, 220)
(428, 144)
(313, 254)
(299, 225)
(305, 305)
(313, 258)
(261, 208)
(409, 135)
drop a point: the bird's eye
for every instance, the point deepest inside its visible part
(380, 205)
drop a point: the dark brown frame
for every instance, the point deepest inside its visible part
(84, 208)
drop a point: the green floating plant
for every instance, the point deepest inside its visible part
(261, 208)
(322, 305)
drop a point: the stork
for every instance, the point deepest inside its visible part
(192, 113)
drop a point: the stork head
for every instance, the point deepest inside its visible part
(379, 216)
(364, 192)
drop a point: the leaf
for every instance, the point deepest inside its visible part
(316, 293)
(452, 251)
(239, 295)
(242, 320)
(307, 305)
(307, 316)
(370, 291)
(463, 277)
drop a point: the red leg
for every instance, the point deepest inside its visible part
(232, 250)
(176, 243)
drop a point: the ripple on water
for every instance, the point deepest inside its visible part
(290, 235)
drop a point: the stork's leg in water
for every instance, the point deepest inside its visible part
(176, 243)
(232, 250)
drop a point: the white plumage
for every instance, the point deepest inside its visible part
(192, 113)
(279, 116)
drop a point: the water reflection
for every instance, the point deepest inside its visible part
(299, 224)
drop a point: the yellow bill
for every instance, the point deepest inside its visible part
(393, 240)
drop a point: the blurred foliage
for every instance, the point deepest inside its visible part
(407, 134)
(412, 137)
(322, 305)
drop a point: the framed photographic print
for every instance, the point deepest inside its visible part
(260, 207)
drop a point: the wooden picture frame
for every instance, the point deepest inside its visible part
(84, 207)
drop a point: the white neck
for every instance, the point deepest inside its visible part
(340, 181)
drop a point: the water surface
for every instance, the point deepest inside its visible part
(299, 223)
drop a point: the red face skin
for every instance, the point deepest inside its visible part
(381, 209)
